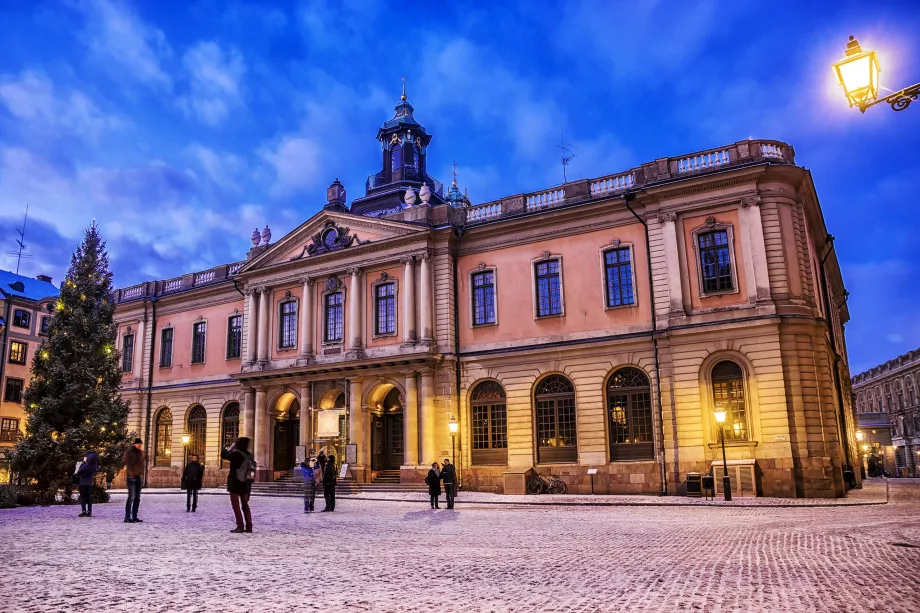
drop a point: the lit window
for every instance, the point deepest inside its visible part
(484, 298)
(9, 430)
(163, 441)
(728, 394)
(618, 277)
(234, 337)
(629, 405)
(385, 308)
(18, 352)
(555, 415)
(288, 324)
(715, 261)
(199, 331)
(334, 328)
(22, 319)
(489, 424)
(197, 432)
(549, 288)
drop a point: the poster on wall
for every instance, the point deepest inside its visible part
(351, 454)
(327, 423)
(300, 454)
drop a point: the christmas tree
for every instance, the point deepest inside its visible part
(73, 401)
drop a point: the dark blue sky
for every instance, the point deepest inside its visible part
(183, 126)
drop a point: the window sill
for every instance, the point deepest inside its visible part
(384, 335)
(489, 324)
(557, 315)
(196, 363)
(726, 292)
(618, 307)
(287, 349)
(338, 343)
(232, 359)
(729, 444)
(164, 366)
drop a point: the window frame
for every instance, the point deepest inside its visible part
(630, 451)
(544, 258)
(6, 389)
(25, 353)
(44, 324)
(730, 438)
(471, 279)
(605, 294)
(224, 420)
(326, 340)
(5, 422)
(375, 333)
(492, 455)
(568, 453)
(18, 315)
(163, 362)
(164, 460)
(231, 338)
(281, 323)
(712, 225)
(204, 342)
(198, 445)
(127, 357)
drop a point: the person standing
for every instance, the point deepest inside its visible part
(192, 477)
(85, 474)
(309, 485)
(433, 480)
(449, 476)
(321, 458)
(329, 478)
(239, 482)
(134, 471)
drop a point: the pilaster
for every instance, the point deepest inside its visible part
(410, 421)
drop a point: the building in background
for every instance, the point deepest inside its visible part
(592, 325)
(887, 395)
(26, 305)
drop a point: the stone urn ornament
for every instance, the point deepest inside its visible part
(266, 235)
(256, 238)
(409, 197)
(424, 193)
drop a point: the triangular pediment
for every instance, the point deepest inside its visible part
(329, 232)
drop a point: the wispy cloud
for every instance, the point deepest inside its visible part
(215, 87)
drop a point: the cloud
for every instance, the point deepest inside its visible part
(222, 168)
(295, 160)
(214, 82)
(124, 44)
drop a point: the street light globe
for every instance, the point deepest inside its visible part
(719, 414)
(857, 73)
(453, 425)
(866, 448)
(185, 439)
(859, 435)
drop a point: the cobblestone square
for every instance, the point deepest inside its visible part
(401, 556)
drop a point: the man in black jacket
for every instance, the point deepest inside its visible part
(329, 477)
(191, 481)
(449, 477)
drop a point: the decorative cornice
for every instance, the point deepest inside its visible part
(353, 271)
(750, 201)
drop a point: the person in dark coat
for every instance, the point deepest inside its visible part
(433, 480)
(135, 464)
(192, 477)
(238, 485)
(86, 473)
(449, 477)
(329, 478)
(321, 458)
(309, 485)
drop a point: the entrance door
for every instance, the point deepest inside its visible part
(387, 441)
(287, 437)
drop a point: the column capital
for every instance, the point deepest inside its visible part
(666, 216)
(263, 289)
(249, 292)
(355, 379)
(354, 271)
(424, 255)
(407, 259)
(750, 201)
(307, 281)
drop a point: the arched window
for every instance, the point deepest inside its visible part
(229, 427)
(911, 399)
(555, 415)
(489, 424)
(162, 444)
(197, 432)
(629, 405)
(728, 395)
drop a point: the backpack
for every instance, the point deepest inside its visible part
(246, 473)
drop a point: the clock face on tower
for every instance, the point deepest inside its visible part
(329, 238)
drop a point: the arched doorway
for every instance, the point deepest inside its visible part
(329, 425)
(387, 444)
(286, 431)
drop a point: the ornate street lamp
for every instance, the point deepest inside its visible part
(858, 73)
(863, 466)
(185, 441)
(454, 427)
(719, 414)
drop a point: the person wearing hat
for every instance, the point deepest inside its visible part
(449, 477)
(134, 471)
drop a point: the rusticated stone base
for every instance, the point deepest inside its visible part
(172, 477)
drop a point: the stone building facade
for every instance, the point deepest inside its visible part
(890, 392)
(596, 324)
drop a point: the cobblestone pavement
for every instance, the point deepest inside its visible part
(398, 556)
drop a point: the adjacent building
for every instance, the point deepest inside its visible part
(888, 406)
(597, 324)
(26, 305)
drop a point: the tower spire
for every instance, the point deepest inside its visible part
(455, 175)
(404, 97)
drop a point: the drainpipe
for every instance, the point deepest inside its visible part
(6, 331)
(825, 292)
(459, 231)
(153, 341)
(663, 475)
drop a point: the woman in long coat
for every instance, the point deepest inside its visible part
(434, 484)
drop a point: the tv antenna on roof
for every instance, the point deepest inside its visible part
(21, 252)
(566, 157)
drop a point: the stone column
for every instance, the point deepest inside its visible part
(355, 344)
(755, 250)
(410, 421)
(306, 415)
(265, 323)
(260, 431)
(672, 260)
(249, 414)
(428, 422)
(356, 417)
(252, 326)
(139, 354)
(306, 321)
(408, 305)
(427, 329)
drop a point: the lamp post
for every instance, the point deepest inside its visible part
(865, 449)
(454, 427)
(185, 440)
(862, 465)
(719, 414)
(858, 73)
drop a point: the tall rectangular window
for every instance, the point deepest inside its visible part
(199, 331)
(385, 308)
(234, 337)
(619, 277)
(484, 298)
(334, 328)
(166, 347)
(715, 261)
(22, 319)
(127, 353)
(46, 321)
(549, 288)
(13, 390)
(9, 430)
(18, 352)
(288, 336)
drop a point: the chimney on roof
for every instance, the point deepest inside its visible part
(44, 278)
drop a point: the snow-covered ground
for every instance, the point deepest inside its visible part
(401, 556)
